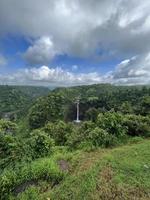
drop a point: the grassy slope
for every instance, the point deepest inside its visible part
(122, 173)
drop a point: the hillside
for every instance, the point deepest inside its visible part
(93, 99)
(33, 91)
(16, 99)
(121, 173)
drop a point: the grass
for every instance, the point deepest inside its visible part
(122, 173)
(12, 181)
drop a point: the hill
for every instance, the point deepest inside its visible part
(16, 99)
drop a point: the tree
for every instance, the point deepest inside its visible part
(91, 114)
(50, 108)
(8, 127)
(145, 105)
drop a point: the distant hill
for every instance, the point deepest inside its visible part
(17, 99)
(33, 91)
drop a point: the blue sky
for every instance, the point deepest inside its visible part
(13, 46)
(74, 42)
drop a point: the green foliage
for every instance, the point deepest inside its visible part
(137, 125)
(7, 127)
(91, 114)
(12, 150)
(112, 122)
(94, 98)
(115, 113)
(145, 105)
(79, 134)
(101, 138)
(15, 100)
(38, 114)
(42, 169)
(46, 109)
(40, 143)
(32, 193)
(89, 136)
(59, 131)
(111, 128)
(121, 173)
(126, 108)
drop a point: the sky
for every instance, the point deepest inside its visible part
(74, 42)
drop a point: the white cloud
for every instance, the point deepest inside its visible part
(79, 27)
(50, 76)
(42, 51)
(3, 60)
(135, 70)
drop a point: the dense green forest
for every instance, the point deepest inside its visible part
(46, 155)
(60, 103)
(15, 100)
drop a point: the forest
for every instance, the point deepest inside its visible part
(15, 100)
(44, 154)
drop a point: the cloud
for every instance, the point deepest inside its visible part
(79, 27)
(135, 70)
(50, 76)
(41, 52)
(3, 60)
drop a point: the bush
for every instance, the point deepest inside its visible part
(112, 122)
(101, 138)
(40, 143)
(88, 136)
(137, 125)
(43, 169)
(7, 127)
(59, 131)
(79, 134)
(12, 150)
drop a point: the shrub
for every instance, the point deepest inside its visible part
(101, 138)
(12, 150)
(145, 105)
(88, 136)
(7, 127)
(59, 131)
(112, 122)
(40, 143)
(43, 169)
(79, 134)
(137, 125)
